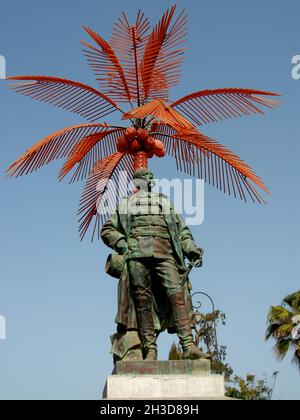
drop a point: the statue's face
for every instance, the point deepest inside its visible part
(143, 178)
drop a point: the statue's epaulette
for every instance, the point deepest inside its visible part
(164, 196)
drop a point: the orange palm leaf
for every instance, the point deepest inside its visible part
(219, 166)
(139, 65)
(198, 155)
(107, 68)
(161, 112)
(208, 106)
(55, 146)
(88, 151)
(73, 96)
(97, 193)
(128, 41)
(186, 156)
(160, 67)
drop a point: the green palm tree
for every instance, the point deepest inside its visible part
(284, 327)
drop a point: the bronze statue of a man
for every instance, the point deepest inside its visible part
(154, 241)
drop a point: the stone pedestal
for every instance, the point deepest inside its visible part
(164, 380)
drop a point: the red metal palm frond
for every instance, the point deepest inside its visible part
(128, 41)
(55, 146)
(138, 65)
(160, 67)
(161, 112)
(185, 154)
(73, 96)
(219, 166)
(99, 199)
(88, 151)
(165, 133)
(161, 129)
(107, 68)
(208, 106)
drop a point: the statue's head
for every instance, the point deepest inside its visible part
(143, 179)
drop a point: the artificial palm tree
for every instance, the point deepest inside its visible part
(284, 327)
(135, 70)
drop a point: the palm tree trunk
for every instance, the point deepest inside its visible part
(140, 160)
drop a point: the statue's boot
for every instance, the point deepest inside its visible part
(147, 329)
(183, 328)
(192, 352)
(151, 355)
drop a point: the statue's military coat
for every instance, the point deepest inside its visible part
(118, 227)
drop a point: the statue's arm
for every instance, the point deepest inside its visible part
(189, 247)
(112, 234)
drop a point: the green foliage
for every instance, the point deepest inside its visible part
(281, 325)
(205, 333)
(219, 365)
(293, 301)
(279, 314)
(175, 353)
(251, 388)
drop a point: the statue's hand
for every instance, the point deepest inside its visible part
(121, 246)
(196, 254)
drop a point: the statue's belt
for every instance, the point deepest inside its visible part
(150, 231)
(150, 234)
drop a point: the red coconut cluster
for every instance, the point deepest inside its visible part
(137, 140)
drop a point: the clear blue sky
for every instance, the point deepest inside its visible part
(58, 303)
